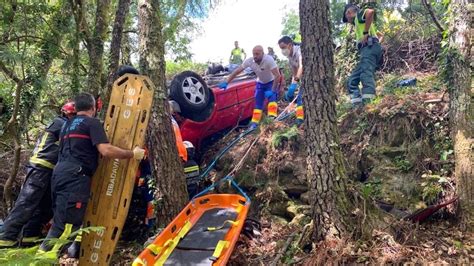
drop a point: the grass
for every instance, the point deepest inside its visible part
(287, 134)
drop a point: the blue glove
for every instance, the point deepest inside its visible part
(290, 94)
(269, 93)
(223, 85)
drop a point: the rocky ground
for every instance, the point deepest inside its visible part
(398, 151)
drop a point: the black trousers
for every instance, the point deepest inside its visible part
(70, 188)
(32, 208)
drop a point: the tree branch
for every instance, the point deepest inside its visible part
(9, 73)
(432, 14)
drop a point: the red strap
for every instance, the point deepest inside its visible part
(79, 136)
(78, 205)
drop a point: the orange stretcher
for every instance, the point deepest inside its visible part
(204, 232)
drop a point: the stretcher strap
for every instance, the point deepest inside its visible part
(215, 228)
(221, 245)
(169, 245)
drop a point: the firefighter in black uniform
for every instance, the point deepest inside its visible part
(33, 206)
(81, 140)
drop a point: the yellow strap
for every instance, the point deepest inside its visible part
(30, 239)
(221, 245)
(154, 248)
(191, 169)
(138, 262)
(239, 208)
(186, 227)
(34, 159)
(234, 223)
(64, 235)
(41, 162)
(172, 243)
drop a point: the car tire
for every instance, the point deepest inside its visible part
(190, 91)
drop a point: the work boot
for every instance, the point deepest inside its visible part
(299, 122)
(5, 243)
(73, 250)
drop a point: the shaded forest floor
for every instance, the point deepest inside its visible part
(397, 150)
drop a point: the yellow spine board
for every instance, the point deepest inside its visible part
(112, 185)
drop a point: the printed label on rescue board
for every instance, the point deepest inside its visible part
(111, 185)
(96, 246)
(116, 163)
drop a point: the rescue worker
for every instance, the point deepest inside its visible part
(237, 55)
(293, 52)
(370, 51)
(271, 53)
(268, 79)
(186, 152)
(32, 208)
(81, 140)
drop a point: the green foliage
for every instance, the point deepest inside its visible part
(371, 189)
(287, 134)
(362, 124)
(180, 24)
(29, 256)
(432, 186)
(174, 68)
(403, 164)
(291, 23)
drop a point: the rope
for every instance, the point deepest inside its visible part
(230, 176)
(285, 113)
(222, 152)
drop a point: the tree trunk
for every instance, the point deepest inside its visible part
(12, 128)
(120, 16)
(96, 47)
(325, 170)
(171, 183)
(461, 105)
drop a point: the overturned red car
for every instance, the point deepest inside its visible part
(206, 110)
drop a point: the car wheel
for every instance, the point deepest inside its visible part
(190, 91)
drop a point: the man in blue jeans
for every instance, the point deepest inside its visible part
(370, 52)
(268, 77)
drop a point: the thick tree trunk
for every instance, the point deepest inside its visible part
(96, 47)
(461, 104)
(166, 165)
(120, 16)
(325, 172)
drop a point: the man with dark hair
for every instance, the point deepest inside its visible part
(33, 206)
(293, 53)
(82, 139)
(370, 52)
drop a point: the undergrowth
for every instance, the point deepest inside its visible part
(29, 256)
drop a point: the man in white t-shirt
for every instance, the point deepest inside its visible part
(268, 77)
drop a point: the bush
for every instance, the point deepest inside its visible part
(174, 68)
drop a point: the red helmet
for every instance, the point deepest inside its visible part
(68, 108)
